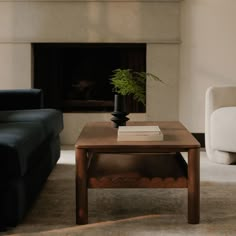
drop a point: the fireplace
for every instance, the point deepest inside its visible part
(75, 77)
(155, 23)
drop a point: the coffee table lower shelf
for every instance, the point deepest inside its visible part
(137, 171)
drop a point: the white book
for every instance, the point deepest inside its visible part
(139, 128)
(150, 129)
(139, 133)
(140, 138)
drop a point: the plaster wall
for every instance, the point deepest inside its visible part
(207, 55)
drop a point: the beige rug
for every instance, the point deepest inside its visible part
(133, 211)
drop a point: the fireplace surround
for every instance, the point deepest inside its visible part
(154, 22)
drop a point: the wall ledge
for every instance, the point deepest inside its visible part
(27, 41)
(146, 1)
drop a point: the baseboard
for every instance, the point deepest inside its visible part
(200, 138)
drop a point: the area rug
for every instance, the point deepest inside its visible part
(134, 212)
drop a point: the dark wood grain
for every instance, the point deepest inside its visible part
(103, 135)
(137, 171)
(193, 186)
(81, 187)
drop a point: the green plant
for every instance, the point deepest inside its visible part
(129, 82)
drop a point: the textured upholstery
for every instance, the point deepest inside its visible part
(29, 149)
(223, 130)
(50, 119)
(19, 99)
(17, 142)
(220, 125)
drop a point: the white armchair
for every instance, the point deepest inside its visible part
(220, 124)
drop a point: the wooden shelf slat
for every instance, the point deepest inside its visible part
(137, 171)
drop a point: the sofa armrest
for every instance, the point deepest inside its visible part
(19, 99)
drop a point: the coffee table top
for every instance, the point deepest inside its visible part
(102, 135)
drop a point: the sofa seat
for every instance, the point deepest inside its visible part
(223, 129)
(50, 119)
(17, 142)
(29, 150)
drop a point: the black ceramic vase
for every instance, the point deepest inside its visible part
(119, 114)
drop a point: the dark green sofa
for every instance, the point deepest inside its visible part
(29, 149)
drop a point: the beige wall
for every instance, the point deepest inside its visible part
(208, 55)
(15, 65)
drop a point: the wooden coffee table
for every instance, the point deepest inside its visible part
(102, 162)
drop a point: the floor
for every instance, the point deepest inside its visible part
(133, 212)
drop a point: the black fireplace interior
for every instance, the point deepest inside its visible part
(75, 77)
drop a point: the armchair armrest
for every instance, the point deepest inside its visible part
(18, 99)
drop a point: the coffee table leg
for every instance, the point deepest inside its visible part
(194, 186)
(81, 187)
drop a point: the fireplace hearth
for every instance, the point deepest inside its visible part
(75, 76)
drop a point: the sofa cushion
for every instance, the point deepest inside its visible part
(17, 142)
(50, 119)
(223, 129)
(18, 99)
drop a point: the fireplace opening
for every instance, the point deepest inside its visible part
(75, 77)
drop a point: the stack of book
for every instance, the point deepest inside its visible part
(139, 133)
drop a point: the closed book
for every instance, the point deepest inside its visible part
(139, 133)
